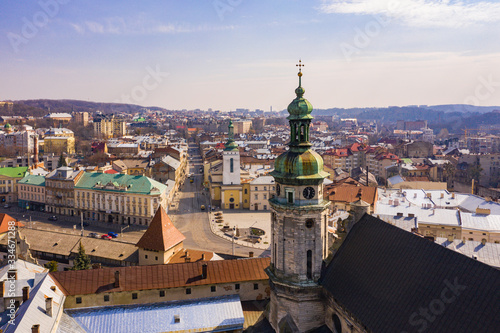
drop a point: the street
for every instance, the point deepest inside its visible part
(194, 222)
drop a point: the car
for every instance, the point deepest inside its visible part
(86, 224)
(202, 207)
(53, 218)
(113, 234)
(106, 236)
(191, 180)
(93, 235)
(6, 206)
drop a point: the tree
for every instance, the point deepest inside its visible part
(82, 261)
(474, 172)
(62, 161)
(51, 265)
(449, 172)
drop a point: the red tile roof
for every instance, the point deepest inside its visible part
(161, 234)
(111, 171)
(161, 276)
(4, 222)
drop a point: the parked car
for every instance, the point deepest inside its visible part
(94, 235)
(113, 234)
(6, 206)
(53, 218)
(202, 207)
(106, 236)
(191, 180)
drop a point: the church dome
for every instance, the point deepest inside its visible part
(7, 126)
(295, 168)
(300, 108)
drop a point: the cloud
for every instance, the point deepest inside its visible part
(118, 26)
(420, 13)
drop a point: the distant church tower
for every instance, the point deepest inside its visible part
(298, 226)
(231, 160)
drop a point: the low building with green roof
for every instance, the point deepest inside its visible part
(118, 198)
(8, 183)
(31, 192)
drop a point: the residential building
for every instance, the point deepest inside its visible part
(105, 128)
(58, 141)
(262, 189)
(31, 192)
(117, 198)
(242, 126)
(81, 118)
(59, 190)
(9, 177)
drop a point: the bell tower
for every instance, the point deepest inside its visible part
(299, 227)
(231, 160)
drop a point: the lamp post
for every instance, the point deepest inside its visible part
(121, 230)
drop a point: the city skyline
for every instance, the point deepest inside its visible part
(226, 54)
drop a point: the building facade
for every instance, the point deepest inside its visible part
(31, 192)
(59, 190)
(9, 177)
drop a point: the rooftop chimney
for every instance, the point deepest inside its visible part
(35, 328)
(12, 274)
(250, 254)
(26, 293)
(204, 271)
(450, 238)
(203, 256)
(48, 306)
(116, 284)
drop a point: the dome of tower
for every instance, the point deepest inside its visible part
(304, 167)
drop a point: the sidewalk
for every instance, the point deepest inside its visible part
(243, 220)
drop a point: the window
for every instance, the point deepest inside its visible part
(237, 286)
(255, 286)
(256, 197)
(106, 298)
(265, 196)
(162, 293)
(246, 191)
(78, 300)
(188, 291)
(265, 188)
(231, 165)
(213, 289)
(309, 264)
(156, 258)
(290, 197)
(256, 188)
(265, 207)
(145, 256)
(134, 295)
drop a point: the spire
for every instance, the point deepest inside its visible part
(161, 234)
(230, 144)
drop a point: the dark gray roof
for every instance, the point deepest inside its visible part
(385, 276)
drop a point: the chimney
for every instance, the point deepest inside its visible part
(483, 241)
(35, 151)
(450, 238)
(116, 284)
(2, 288)
(204, 271)
(187, 254)
(26, 293)
(203, 256)
(48, 306)
(187, 259)
(250, 254)
(35, 328)
(12, 274)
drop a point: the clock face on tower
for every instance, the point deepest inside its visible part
(308, 193)
(278, 189)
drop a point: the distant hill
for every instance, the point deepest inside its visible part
(44, 106)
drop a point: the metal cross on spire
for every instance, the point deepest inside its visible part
(300, 65)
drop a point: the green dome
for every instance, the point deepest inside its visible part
(300, 108)
(7, 126)
(295, 168)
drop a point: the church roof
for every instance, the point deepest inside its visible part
(387, 277)
(161, 234)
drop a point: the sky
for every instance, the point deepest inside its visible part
(229, 54)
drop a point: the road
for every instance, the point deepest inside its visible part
(192, 221)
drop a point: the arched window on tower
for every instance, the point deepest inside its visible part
(302, 133)
(231, 165)
(309, 264)
(296, 132)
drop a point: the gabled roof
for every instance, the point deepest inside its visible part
(385, 277)
(161, 234)
(4, 222)
(162, 276)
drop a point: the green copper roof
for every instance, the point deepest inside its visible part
(132, 184)
(33, 180)
(7, 126)
(300, 165)
(16, 172)
(230, 144)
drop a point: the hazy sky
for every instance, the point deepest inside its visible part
(228, 54)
